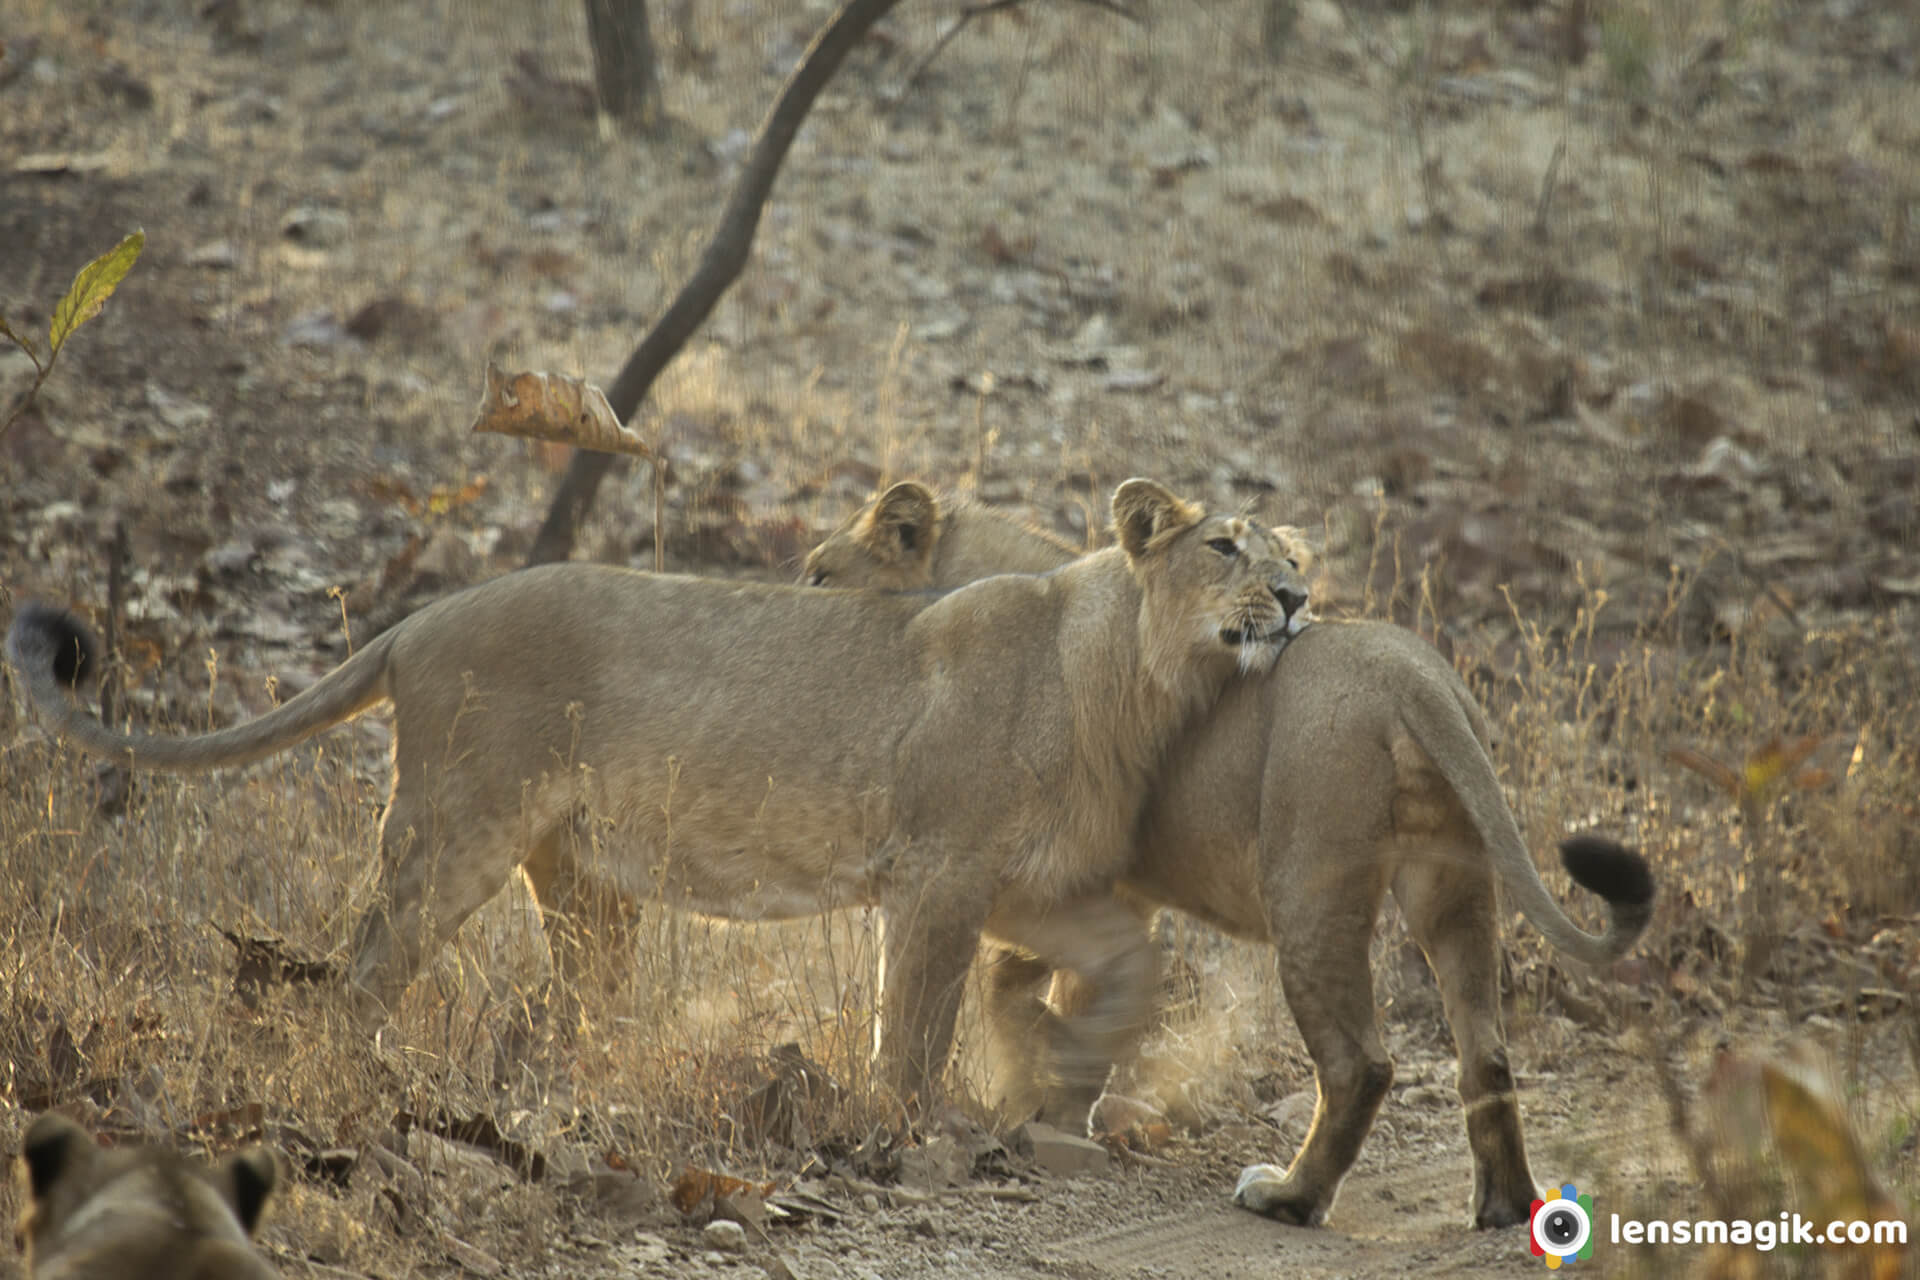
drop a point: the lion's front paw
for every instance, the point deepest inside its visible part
(1264, 1189)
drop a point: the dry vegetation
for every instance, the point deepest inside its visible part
(1587, 330)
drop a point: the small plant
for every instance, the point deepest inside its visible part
(85, 296)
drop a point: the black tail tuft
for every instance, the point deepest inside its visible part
(43, 634)
(1610, 869)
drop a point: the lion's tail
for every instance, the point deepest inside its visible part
(1598, 865)
(54, 654)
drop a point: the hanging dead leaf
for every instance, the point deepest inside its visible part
(554, 407)
(1775, 761)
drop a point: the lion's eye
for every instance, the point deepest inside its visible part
(1225, 546)
(818, 578)
(1293, 564)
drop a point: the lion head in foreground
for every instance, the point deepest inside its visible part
(145, 1213)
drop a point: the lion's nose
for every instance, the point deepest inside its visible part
(1291, 599)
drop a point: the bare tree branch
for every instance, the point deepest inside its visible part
(720, 265)
(626, 75)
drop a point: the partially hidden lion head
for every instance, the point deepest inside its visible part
(94, 1214)
(888, 544)
(905, 540)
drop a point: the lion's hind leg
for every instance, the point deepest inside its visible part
(1446, 894)
(1013, 993)
(1324, 972)
(437, 867)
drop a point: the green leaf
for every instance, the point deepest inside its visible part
(7, 332)
(91, 289)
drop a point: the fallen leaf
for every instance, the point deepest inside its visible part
(696, 1190)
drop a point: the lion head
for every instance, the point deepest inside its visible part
(1236, 578)
(94, 1214)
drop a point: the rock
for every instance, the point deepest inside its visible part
(231, 558)
(314, 328)
(215, 255)
(181, 475)
(1118, 1115)
(935, 1165)
(616, 1194)
(477, 1262)
(1293, 1113)
(643, 1251)
(177, 414)
(316, 225)
(728, 1237)
(1061, 1154)
(746, 1206)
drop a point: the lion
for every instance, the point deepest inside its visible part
(756, 751)
(105, 1215)
(1359, 765)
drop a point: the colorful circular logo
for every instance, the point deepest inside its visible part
(1561, 1229)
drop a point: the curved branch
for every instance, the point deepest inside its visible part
(720, 265)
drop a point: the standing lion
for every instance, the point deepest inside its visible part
(1359, 764)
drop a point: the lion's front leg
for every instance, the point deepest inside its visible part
(588, 920)
(931, 928)
(1106, 946)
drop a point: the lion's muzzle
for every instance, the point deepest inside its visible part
(1270, 617)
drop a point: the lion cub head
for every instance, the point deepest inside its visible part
(889, 544)
(1255, 576)
(109, 1215)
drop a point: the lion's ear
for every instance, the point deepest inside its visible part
(1145, 512)
(55, 1147)
(251, 1177)
(901, 526)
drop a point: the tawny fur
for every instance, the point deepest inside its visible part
(762, 752)
(138, 1212)
(1358, 765)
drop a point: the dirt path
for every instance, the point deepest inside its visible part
(1402, 1212)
